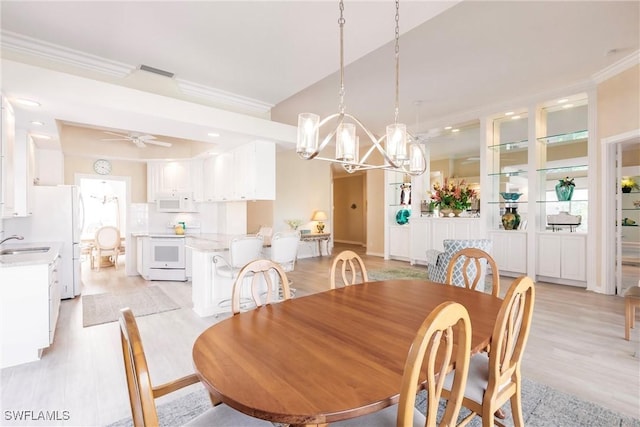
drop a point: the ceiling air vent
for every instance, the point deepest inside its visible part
(156, 71)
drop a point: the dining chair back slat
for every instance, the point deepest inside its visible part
(348, 261)
(262, 272)
(471, 270)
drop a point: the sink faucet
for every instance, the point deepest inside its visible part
(15, 236)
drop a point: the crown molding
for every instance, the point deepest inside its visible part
(40, 49)
(617, 67)
(222, 97)
(19, 43)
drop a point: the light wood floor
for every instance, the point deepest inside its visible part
(576, 346)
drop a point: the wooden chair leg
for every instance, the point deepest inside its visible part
(629, 317)
(516, 410)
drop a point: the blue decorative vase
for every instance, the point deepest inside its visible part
(402, 216)
(564, 192)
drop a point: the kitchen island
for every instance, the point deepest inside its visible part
(208, 290)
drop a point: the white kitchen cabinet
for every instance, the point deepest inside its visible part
(24, 172)
(255, 171)
(399, 242)
(8, 130)
(176, 176)
(208, 179)
(29, 311)
(223, 177)
(55, 293)
(429, 232)
(562, 257)
(510, 251)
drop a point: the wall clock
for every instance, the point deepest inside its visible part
(102, 167)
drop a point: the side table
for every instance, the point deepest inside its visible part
(318, 237)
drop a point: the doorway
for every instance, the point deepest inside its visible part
(349, 213)
(105, 203)
(618, 152)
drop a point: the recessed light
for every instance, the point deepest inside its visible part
(509, 113)
(562, 101)
(37, 123)
(213, 134)
(515, 117)
(40, 136)
(455, 130)
(447, 128)
(27, 102)
(567, 106)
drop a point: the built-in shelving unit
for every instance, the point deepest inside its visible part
(630, 222)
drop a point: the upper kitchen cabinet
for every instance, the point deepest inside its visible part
(8, 130)
(255, 176)
(246, 173)
(176, 176)
(24, 172)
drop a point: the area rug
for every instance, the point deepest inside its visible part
(541, 406)
(105, 308)
(408, 272)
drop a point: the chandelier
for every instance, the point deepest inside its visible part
(401, 152)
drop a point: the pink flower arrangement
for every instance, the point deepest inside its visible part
(454, 194)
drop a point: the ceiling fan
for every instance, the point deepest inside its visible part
(139, 140)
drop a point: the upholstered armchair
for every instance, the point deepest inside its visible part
(438, 261)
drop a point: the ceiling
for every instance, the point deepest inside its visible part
(458, 59)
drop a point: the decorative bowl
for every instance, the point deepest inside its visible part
(511, 196)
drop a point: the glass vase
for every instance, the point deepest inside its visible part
(564, 192)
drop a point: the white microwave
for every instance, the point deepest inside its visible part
(175, 202)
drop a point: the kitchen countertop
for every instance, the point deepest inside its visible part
(7, 261)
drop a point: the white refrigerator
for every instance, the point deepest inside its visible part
(58, 216)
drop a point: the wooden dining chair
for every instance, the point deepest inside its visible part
(442, 341)
(356, 267)
(495, 377)
(472, 270)
(142, 394)
(262, 272)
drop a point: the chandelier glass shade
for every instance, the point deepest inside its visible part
(398, 150)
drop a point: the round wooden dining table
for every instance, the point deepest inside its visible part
(329, 356)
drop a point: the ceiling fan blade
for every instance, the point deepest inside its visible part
(116, 134)
(146, 137)
(160, 143)
(115, 139)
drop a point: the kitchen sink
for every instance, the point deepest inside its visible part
(18, 251)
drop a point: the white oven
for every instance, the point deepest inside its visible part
(164, 258)
(167, 252)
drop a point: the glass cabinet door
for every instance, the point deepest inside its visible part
(563, 167)
(508, 168)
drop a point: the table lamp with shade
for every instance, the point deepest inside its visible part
(319, 216)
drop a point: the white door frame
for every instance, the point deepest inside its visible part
(610, 251)
(129, 257)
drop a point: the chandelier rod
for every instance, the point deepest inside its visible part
(397, 53)
(341, 91)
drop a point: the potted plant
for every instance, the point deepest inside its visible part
(564, 189)
(628, 184)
